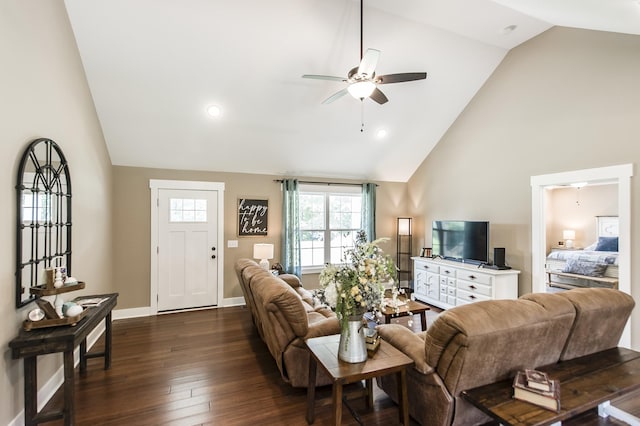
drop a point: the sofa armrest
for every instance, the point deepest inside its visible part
(323, 327)
(408, 343)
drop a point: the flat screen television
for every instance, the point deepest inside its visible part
(462, 241)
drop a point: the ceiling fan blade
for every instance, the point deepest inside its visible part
(324, 77)
(378, 96)
(368, 63)
(399, 78)
(335, 96)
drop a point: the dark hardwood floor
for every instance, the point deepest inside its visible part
(204, 368)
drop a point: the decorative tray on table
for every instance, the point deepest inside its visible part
(49, 317)
(45, 290)
(53, 322)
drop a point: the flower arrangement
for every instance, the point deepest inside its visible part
(357, 285)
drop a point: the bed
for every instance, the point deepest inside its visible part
(594, 266)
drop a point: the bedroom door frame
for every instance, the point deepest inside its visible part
(620, 174)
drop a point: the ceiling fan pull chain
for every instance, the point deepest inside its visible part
(362, 115)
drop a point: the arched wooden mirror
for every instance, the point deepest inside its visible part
(43, 216)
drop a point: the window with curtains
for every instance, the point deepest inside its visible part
(330, 217)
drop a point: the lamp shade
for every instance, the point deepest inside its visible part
(568, 234)
(404, 226)
(263, 251)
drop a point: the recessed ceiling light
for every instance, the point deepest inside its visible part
(382, 133)
(508, 29)
(214, 111)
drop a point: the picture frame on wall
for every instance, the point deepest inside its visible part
(253, 217)
(607, 226)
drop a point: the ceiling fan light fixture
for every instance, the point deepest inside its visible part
(361, 89)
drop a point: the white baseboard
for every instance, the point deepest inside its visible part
(233, 301)
(131, 313)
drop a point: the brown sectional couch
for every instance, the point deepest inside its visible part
(484, 342)
(285, 314)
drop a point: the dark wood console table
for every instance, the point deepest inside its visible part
(585, 383)
(30, 344)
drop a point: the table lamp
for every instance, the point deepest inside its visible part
(264, 252)
(568, 235)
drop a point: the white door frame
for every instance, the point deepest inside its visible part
(156, 185)
(621, 175)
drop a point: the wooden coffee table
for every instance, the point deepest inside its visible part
(403, 311)
(386, 360)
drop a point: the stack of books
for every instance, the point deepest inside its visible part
(372, 341)
(537, 388)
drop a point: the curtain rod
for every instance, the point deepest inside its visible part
(308, 182)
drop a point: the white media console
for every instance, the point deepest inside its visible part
(446, 284)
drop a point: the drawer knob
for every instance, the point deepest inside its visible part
(472, 297)
(472, 287)
(472, 277)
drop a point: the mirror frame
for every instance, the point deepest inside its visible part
(51, 178)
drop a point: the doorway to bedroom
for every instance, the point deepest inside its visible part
(617, 176)
(581, 227)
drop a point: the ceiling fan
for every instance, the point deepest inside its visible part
(362, 80)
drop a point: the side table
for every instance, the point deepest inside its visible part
(386, 360)
(30, 344)
(407, 306)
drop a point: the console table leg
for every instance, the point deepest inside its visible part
(83, 356)
(69, 389)
(30, 390)
(107, 341)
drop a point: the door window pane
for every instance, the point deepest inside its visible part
(187, 210)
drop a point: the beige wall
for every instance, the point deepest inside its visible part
(577, 208)
(132, 235)
(565, 100)
(45, 94)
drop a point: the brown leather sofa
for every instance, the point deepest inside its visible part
(484, 342)
(285, 314)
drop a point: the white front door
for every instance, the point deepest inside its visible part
(187, 249)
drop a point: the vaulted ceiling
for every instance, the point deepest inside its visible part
(154, 66)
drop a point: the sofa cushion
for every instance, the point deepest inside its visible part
(483, 342)
(601, 315)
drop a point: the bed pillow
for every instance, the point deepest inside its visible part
(582, 267)
(607, 244)
(591, 247)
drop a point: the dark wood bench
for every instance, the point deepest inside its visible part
(585, 383)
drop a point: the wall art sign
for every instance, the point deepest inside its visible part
(253, 217)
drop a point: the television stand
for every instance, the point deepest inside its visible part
(445, 283)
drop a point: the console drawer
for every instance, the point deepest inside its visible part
(474, 277)
(468, 297)
(427, 267)
(474, 288)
